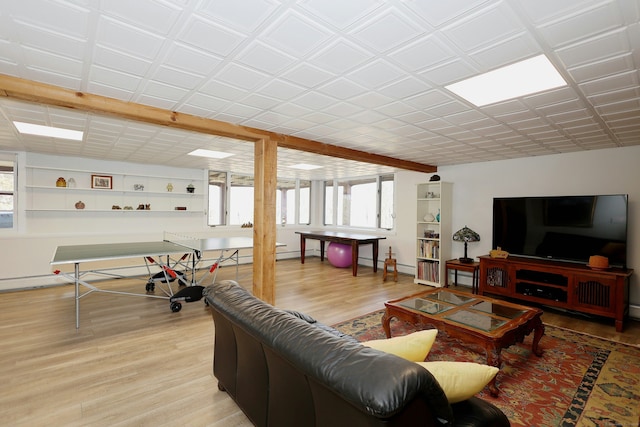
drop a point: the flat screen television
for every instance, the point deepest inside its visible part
(564, 228)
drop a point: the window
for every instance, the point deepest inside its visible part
(293, 200)
(285, 202)
(304, 202)
(241, 200)
(387, 213)
(365, 202)
(217, 197)
(286, 205)
(328, 203)
(7, 193)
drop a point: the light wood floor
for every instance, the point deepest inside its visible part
(135, 363)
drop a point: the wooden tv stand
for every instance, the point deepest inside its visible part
(565, 285)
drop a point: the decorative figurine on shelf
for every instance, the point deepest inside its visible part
(438, 216)
(190, 188)
(61, 182)
(71, 183)
(79, 205)
(169, 187)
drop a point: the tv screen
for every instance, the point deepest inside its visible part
(565, 228)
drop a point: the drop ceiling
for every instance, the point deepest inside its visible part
(365, 75)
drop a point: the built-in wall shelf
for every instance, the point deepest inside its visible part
(90, 191)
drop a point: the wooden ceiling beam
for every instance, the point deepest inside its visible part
(42, 93)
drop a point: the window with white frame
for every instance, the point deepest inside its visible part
(7, 192)
(217, 198)
(240, 199)
(362, 202)
(293, 197)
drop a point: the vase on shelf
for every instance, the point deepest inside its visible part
(438, 216)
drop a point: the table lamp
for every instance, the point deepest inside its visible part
(466, 235)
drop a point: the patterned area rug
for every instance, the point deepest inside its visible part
(580, 380)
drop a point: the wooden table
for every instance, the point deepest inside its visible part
(354, 240)
(487, 323)
(457, 265)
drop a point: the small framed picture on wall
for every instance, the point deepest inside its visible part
(104, 182)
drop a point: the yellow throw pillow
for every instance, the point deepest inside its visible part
(414, 347)
(460, 380)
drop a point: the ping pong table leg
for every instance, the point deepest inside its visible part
(77, 286)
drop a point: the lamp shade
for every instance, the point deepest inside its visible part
(466, 235)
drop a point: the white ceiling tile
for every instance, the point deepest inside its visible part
(52, 62)
(154, 16)
(340, 56)
(603, 68)
(375, 74)
(174, 77)
(425, 52)
(404, 88)
(484, 27)
(296, 34)
(341, 14)
(450, 72)
(64, 18)
(109, 77)
(121, 37)
(614, 43)
(315, 101)
(222, 90)
(241, 77)
(184, 57)
(342, 89)
(582, 24)
(307, 75)
(386, 31)
(517, 48)
(266, 59)
(371, 100)
(542, 11)
(120, 61)
(281, 90)
(208, 36)
(613, 83)
(438, 13)
(246, 15)
(53, 77)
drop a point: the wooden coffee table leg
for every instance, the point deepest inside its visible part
(494, 359)
(538, 332)
(386, 323)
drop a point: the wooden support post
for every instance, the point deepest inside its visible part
(264, 220)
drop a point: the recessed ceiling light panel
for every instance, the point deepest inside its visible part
(533, 75)
(305, 166)
(210, 154)
(50, 131)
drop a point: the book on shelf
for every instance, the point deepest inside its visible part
(429, 270)
(429, 249)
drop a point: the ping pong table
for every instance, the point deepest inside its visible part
(171, 255)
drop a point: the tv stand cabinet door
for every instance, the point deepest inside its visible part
(496, 277)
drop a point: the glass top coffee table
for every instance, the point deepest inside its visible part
(473, 319)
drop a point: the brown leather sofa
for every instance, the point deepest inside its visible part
(283, 369)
